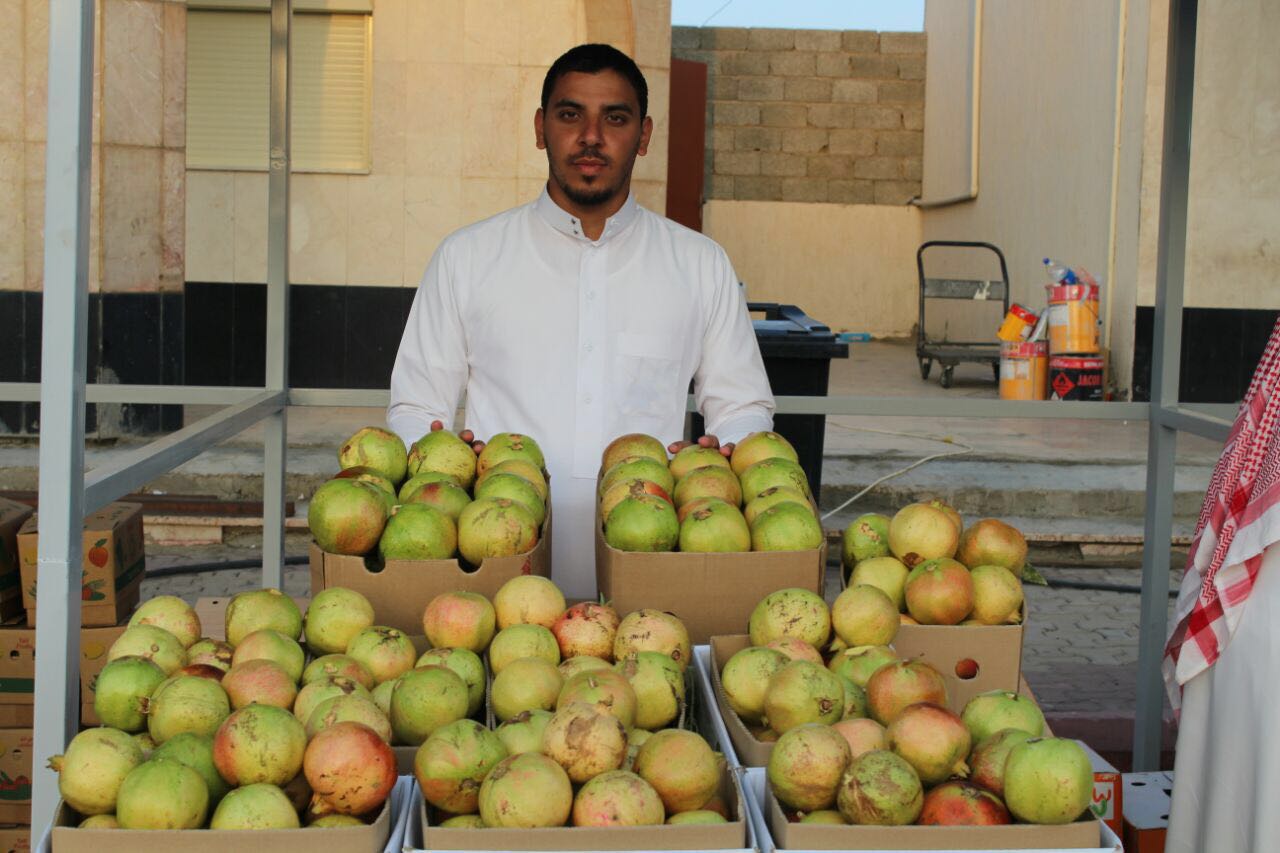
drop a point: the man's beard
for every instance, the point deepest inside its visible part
(590, 196)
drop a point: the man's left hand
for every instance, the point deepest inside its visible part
(726, 450)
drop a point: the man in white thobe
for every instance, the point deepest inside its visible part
(581, 316)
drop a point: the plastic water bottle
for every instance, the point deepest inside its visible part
(1059, 273)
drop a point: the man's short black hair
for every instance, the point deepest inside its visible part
(592, 59)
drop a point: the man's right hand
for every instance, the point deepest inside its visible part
(466, 435)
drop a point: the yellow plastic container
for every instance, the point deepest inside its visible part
(1024, 370)
(1017, 324)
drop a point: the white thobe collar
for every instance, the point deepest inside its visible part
(566, 223)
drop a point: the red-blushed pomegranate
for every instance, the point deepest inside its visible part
(617, 798)
(202, 670)
(632, 444)
(261, 609)
(385, 652)
(351, 770)
(172, 614)
(259, 680)
(988, 713)
(991, 542)
(949, 510)
(895, 686)
(310, 696)
(526, 791)
(1048, 780)
(803, 692)
(632, 488)
(805, 766)
(997, 596)
(587, 629)
(694, 457)
(795, 649)
(584, 741)
(760, 446)
(864, 616)
(453, 762)
(933, 740)
(658, 683)
(259, 743)
(862, 734)
(333, 617)
(881, 789)
(745, 680)
(709, 481)
(792, 612)
(637, 468)
(526, 684)
(608, 690)
(859, 663)
(647, 630)
(337, 666)
(273, 646)
(989, 756)
(939, 592)
(961, 804)
(464, 620)
(920, 532)
(92, 769)
(682, 512)
(681, 767)
(528, 600)
(347, 516)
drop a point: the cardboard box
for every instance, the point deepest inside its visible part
(67, 838)
(402, 589)
(18, 670)
(111, 574)
(15, 839)
(1147, 800)
(721, 836)
(16, 747)
(992, 653)
(1086, 833)
(713, 594)
(1108, 791)
(12, 516)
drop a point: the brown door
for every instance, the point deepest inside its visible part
(686, 144)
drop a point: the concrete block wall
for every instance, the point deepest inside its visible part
(810, 115)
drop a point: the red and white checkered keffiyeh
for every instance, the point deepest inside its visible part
(1239, 519)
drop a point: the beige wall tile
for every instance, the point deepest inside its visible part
(319, 228)
(133, 59)
(528, 189)
(437, 95)
(653, 32)
(483, 197)
(530, 160)
(33, 214)
(97, 250)
(434, 153)
(431, 213)
(131, 218)
(611, 22)
(491, 31)
(653, 166)
(209, 236)
(35, 72)
(173, 193)
(491, 125)
(387, 133)
(391, 30)
(651, 195)
(248, 226)
(375, 239)
(11, 71)
(175, 76)
(12, 215)
(435, 30)
(547, 29)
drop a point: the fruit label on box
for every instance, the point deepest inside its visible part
(1103, 805)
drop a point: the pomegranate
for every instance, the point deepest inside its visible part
(528, 600)
(637, 468)
(635, 740)
(653, 631)
(381, 696)
(310, 696)
(1048, 780)
(386, 652)
(792, 612)
(462, 821)
(347, 516)
(795, 649)
(526, 684)
(451, 764)
(961, 804)
(333, 617)
(948, 510)
(642, 523)
(770, 497)
(988, 713)
(802, 692)
(509, 445)
(187, 703)
(426, 699)
(989, 756)
(770, 473)
(586, 629)
(681, 767)
(335, 666)
(162, 794)
(410, 487)
(262, 681)
(866, 537)
(351, 708)
(350, 769)
(617, 798)
(745, 680)
(100, 821)
(467, 665)
(805, 766)
(920, 532)
(716, 527)
(522, 468)
(195, 751)
(997, 596)
(202, 670)
(447, 499)
(214, 653)
(257, 806)
(658, 683)
(881, 789)
(443, 452)
(514, 488)
(991, 542)
(939, 592)
(155, 644)
(888, 574)
(273, 646)
(585, 741)
(632, 488)
(709, 481)
(495, 527)
(895, 686)
(760, 446)
(606, 689)
(829, 816)
(526, 791)
(121, 692)
(864, 616)
(523, 732)
(92, 769)
(260, 743)
(933, 740)
(855, 699)
(632, 444)
(582, 663)
(693, 457)
(786, 527)
(262, 609)
(859, 663)
(698, 817)
(172, 614)
(464, 620)
(862, 735)
(377, 448)
(522, 641)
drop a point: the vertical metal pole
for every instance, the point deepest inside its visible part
(1166, 357)
(62, 375)
(276, 446)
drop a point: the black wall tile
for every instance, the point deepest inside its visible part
(12, 366)
(1220, 350)
(249, 332)
(208, 327)
(317, 316)
(375, 322)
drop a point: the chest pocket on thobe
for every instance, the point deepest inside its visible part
(647, 369)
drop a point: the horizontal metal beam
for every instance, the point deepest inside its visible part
(192, 395)
(139, 467)
(1184, 419)
(344, 397)
(961, 407)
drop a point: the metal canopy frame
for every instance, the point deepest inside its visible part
(68, 493)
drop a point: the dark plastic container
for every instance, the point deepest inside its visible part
(797, 352)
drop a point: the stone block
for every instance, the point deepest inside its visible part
(873, 66)
(804, 189)
(721, 186)
(757, 189)
(896, 192)
(709, 58)
(792, 63)
(738, 163)
(757, 139)
(760, 89)
(913, 118)
(854, 91)
(818, 39)
(899, 143)
(744, 64)
(724, 38)
(877, 117)
(857, 143)
(851, 192)
(779, 164)
(686, 38)
(832, 64)
(784, 115)
(804, 140)
(830, 166)
(831, 115)
(765, 38)
(722, 88)
(860, 41)
(913, 169)
(911, 67)
(722, 138)
(902, 92)
(872, 168)
(902, 43)
(807, 89)
(724, 113)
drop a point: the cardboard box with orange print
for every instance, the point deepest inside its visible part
(15, 839)
(111, 574)
(18, 672)
(12, 516)
(16, 746)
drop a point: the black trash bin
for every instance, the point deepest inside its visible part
(797, 352)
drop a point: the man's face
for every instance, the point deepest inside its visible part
(592, 132)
